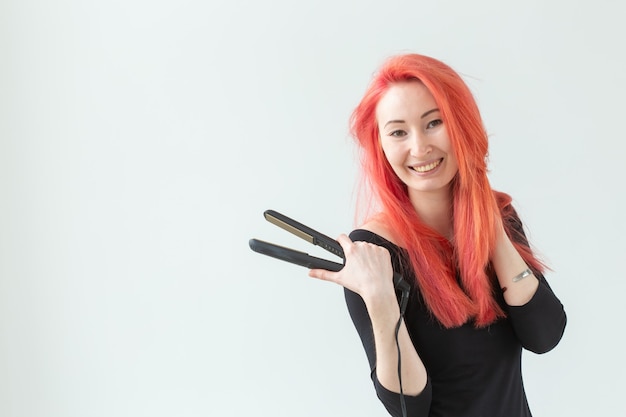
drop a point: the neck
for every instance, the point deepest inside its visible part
(435, 210)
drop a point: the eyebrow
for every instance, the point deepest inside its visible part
(421, 117)
(429, 112)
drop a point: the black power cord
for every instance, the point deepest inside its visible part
(404, 299)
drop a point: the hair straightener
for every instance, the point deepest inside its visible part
(304, 259)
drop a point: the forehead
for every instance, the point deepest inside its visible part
(405, 99)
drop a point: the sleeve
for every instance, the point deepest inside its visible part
(416, 406)
(540, 323)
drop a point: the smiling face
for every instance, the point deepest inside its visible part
(415, 140)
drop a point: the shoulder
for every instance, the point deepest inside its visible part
(374, 230)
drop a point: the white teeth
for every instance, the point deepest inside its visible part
(429, 167)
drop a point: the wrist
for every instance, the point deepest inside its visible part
(382, 303)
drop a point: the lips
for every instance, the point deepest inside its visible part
(426, 167)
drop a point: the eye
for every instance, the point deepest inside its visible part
(397, 133)
(434, 123)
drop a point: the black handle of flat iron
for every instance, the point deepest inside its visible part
(311, 262)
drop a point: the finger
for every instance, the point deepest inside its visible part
(323, 275)
(344, 241)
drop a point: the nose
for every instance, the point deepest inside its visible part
(419, 145)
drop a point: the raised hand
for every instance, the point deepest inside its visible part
(367, 271)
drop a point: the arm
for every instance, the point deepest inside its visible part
(508, 263)
(367, 277)
(536, 314)
(417, 405)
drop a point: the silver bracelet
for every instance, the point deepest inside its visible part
(526, 272)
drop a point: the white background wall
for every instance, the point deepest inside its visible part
(140, 142)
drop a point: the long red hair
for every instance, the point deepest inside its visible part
(477, 209)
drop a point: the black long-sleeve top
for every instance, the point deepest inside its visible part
(471, 371)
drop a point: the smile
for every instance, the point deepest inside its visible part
(426, 168)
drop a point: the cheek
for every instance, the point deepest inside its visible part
(396, 162)
(391, 153)
(453, 163)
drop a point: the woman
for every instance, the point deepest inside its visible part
(478, 292)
